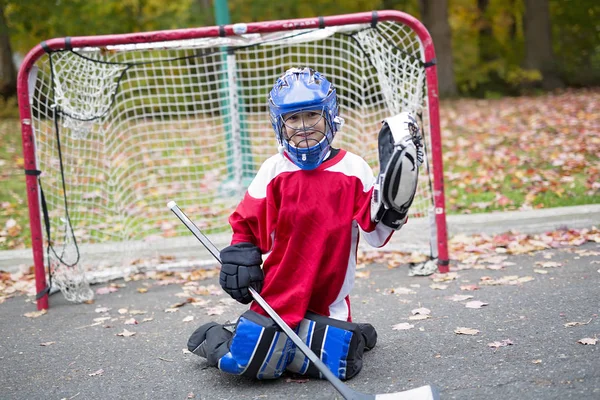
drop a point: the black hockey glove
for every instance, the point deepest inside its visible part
(240, 270)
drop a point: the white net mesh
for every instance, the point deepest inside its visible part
(140, 125)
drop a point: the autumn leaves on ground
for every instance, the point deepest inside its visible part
(505, 154)
(522, 153)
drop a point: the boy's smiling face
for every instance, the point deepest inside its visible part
(304, 128)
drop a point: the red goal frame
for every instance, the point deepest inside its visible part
(30, 165)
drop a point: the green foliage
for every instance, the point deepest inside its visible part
(32, 21)
(9, 108)
(488, 45)
(576, 40)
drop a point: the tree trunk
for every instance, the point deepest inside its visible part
(487, 52)
(434, 14)
(538, 43)
(8, 72)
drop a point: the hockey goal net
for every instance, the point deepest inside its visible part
(116, 126)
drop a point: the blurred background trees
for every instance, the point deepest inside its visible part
(485, 48)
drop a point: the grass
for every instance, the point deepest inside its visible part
(499, 154)
(13, 201)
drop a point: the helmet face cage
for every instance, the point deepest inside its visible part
(298, 103)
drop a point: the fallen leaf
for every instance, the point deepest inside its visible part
(525, 279)
(469, 288)
(418, 317)
(363, 274)
(183, 303)
(189, 318)
(540, 271)
(123, 311)
(402, 326)
(503, 343)
(475, 304)
(548, 264)
(460, 297)
(466, 331)
(571, 324)
(438, 286)
(171, 310)
(126, 333)
(450, 276)
(101, 309)
(106, 290)
(35, 314)
(142, 290)
(97, 373)
(228, 301)
(218, 310)
(422, 311)
(588, 341)
(148, 319)
(131, 321)
(137, 312)
(536, 361)
(47, 343)
(402, 290)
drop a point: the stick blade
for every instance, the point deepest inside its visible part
(427, 392)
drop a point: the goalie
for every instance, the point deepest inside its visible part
(304, 209)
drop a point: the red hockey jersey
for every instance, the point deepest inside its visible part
(308, 221)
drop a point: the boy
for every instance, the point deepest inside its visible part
(304, 209)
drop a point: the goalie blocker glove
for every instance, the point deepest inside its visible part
(400, 155)
(240, 270)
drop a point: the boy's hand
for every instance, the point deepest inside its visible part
(240, 270)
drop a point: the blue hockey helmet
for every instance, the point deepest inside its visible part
(301, 90)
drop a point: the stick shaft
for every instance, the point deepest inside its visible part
(344, 390)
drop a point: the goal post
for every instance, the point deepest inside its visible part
(115, 126)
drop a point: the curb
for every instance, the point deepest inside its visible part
(529, 222)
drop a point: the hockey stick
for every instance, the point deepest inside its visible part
(427, 392)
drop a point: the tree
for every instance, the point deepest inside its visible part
(434, 14)
(538, 43)
(8, 72)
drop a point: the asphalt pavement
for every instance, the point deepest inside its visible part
(526, 346)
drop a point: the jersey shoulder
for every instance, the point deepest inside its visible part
(354, 165)
(269, 170)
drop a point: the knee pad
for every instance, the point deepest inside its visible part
(257, 349)
(339, 344)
